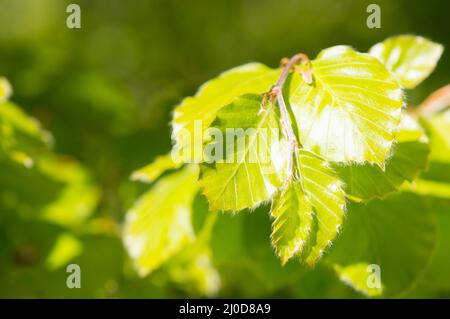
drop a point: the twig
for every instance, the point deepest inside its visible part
(277, 92)
(434, 103)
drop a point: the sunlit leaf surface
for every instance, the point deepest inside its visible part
(212, 96)
(251, 170)
(351, 111)
(365, 181)
(152, 171)
(21, 136)
(159, 224)
(315, 196)
(410, 58)
(5, 89)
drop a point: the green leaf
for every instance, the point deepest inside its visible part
(438, 128)
(21, 136)
(66, 194)
(315, 195)
(398, 234)
(436, 280)
(151, 172)
(351, 111)
(411, 58)
(78, 196)
(293, 216)
(64, 250)
(159, 224)
(242, 252)
(211, 97)
(252, 168)
(5, 89)
(194, 271)
(432, 188)
(365, 182)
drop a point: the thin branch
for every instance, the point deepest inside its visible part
(434, 103)
(277, 92)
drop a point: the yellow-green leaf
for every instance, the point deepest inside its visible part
(21, 136)
(252, 168)
(314, 196)
(210, 98)
(438, 128)
(151, 172)
(159, 224)
(365, 181)
(5, 89)
(411, 58)
(351, 111)
(293, 219)
(78, 195)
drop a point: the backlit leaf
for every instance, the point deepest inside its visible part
(438, 128)
(5, 89)
(249, 172)
(365, 181)
(151, 172)
(315, 195)
(211, 97)
(411, 58)
(351, 111)
(21, 136)
(78, 196)
(159, 224)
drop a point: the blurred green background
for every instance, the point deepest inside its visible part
(106, 92)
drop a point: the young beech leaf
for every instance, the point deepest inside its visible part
(151, 172)
(398, 234)
(315, 193)
(411, 58)
(159, 224)
(293, 219)
(252, 167)
(212, 96)
(351, 111)
(364, 181)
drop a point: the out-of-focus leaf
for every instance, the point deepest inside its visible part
(150, 172)
(212, 96)
(411, 58)
(193, 270)
(315, 195)
(365, 181)
(398, 234)
(21, 136)
(427, 187)
(356, 276)
(159, 224)
(79, 196)
(351, 111)
(438, 129)
(251, 169)
(66, 194)
(5, 89)
(435, 283)
(242, 253)
(66, 248)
